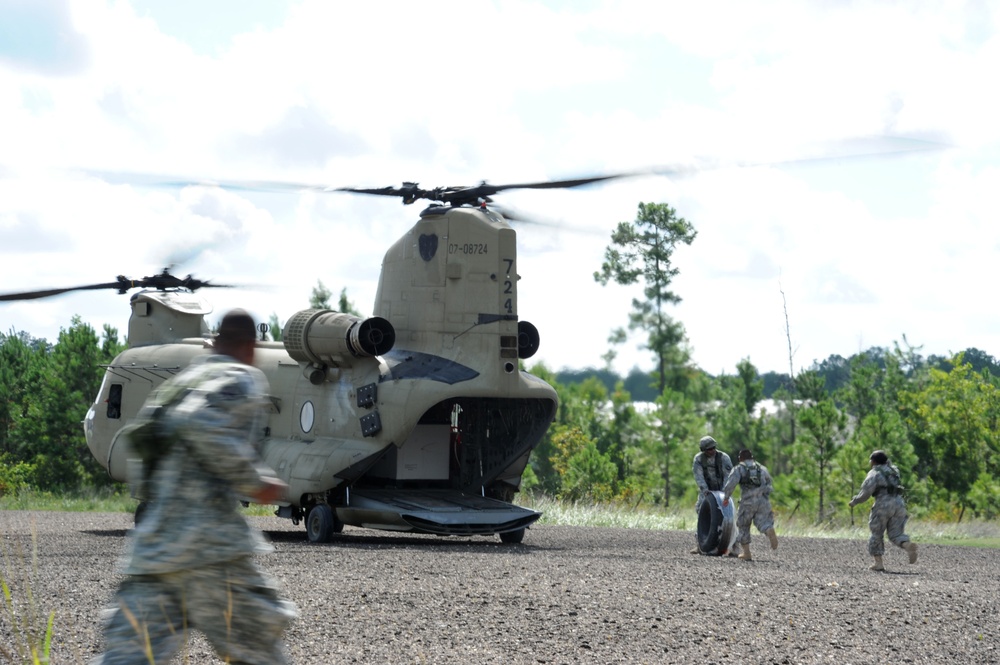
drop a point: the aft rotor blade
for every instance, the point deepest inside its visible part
(556, 184)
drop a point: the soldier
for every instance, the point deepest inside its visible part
(711, 468)
(755, 506)
(190, 564)
(888, 511)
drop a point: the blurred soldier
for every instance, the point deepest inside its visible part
(755, 506)
(889, 510)
(711, 468)
(190, 564)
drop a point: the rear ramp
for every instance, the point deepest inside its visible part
(439, 512)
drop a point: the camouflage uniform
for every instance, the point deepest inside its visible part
(755, 506)
(888, 511)
(191, 555)
(710, 475)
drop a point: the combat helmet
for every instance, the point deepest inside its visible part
(879, 457)
(706, 443)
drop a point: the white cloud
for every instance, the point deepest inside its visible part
(864, 250)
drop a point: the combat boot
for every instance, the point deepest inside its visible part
(745, 554)
(696, 550)
(911, 549)
(772, 537)
(877, 565)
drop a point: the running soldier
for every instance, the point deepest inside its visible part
(755, 506)
(711, 468)
(190, 564)
(889, 510)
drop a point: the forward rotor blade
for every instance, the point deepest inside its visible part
(161, 281)
(46, 293)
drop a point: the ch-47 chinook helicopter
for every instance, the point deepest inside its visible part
(417, 419)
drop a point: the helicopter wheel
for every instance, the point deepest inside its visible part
(512, 537)
(321, 524)
(140, 510)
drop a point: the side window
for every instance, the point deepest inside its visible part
(115, 401)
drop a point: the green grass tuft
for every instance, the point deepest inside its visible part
(974, 533)
(969, 533)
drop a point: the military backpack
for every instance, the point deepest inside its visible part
(753, 475)
(893, 485)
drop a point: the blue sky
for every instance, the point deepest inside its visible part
(858, 250)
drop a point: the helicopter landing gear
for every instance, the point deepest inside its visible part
(512, 537)
(140, 510)
(322, 523)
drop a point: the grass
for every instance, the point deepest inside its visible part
(968, 533)
(30, 630)
(84, 501)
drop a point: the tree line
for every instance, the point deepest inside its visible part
(630, 439)
(937, 420)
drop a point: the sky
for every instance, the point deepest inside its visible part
(840, 161)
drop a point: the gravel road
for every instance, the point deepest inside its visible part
(566, 595)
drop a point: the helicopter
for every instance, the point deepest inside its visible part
(416, 419)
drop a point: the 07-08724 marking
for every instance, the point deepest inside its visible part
(469, 248)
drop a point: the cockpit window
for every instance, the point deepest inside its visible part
(115, 401)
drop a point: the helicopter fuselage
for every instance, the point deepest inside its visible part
(416, 419)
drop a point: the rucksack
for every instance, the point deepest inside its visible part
(893, 483)
(753, 474)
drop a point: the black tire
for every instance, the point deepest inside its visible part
(514, 537)
(709, 524)
(140, 511)
(320, 524)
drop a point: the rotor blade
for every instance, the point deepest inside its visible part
(173, 182)
(33, 295)
(379, 191)
(162, 281)
(519, 217)
(555, 184)
(854, 148)
(871, 147)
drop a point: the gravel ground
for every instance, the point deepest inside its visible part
(566, 595)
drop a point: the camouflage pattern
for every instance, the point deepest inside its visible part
(190, 558)
(706, 476)
(888, 515)
(231, 603)
(708, 479)
(755, 505)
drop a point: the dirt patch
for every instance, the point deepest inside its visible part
(566, 595)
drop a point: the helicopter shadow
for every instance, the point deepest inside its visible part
(411, 542)
(107, 533)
